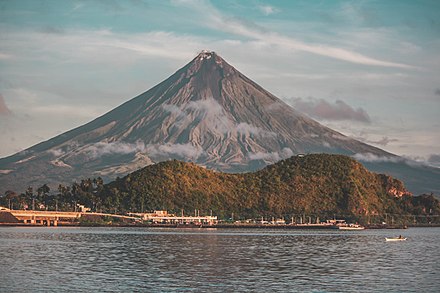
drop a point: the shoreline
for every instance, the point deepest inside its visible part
(217, 226)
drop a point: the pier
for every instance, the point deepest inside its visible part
(50, 218)
(45, 218)
(55, 218)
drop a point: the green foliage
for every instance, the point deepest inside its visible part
(318, 184)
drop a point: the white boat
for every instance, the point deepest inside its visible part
(395, 239)
(350, 227)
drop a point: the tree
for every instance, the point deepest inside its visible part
(11, 196)
(30, 195)
(43, 192)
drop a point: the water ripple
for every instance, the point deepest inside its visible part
(173, 260)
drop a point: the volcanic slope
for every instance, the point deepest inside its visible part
(207, 112)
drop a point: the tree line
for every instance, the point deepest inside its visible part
(323, 185)
(87, 192)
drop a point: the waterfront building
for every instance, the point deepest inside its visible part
(163, 217)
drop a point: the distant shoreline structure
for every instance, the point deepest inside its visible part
(20, 218)
(216, 226)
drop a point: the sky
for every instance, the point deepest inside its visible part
(368, 69)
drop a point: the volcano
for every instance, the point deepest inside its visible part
(207, 113)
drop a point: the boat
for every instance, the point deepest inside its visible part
(342, 225)
(400, 238)
(350, 227)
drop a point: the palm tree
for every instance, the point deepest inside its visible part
(10, 196)
(30, 195)
(43, 192)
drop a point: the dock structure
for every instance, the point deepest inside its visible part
(46, 218)
(52, 218)
(55, 218)
(162, 217)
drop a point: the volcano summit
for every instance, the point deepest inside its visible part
(207, 112)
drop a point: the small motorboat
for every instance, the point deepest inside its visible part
(400, 238)
(349, 227)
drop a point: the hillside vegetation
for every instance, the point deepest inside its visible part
(313, 185)
(317, 184)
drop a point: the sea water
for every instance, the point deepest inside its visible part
(57, 259)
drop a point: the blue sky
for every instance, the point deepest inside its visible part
(369, 69)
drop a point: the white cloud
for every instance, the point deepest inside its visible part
(97, 46)
(173, 109)
(434, 158)
(286, 153)
(187, 151)
(215, 117)
(326, 144)
(100, 149)
(56, 152)
(372, 158)
(271, 156)
(208, 106)
(245, 128)
(212, 114)
(321, 109)
(59, 163)
(336, 136)
(266, 156)
(383, 142)
(235, 26)
(267, 9)
(410, 161)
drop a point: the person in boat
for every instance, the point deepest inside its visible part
(400, 237)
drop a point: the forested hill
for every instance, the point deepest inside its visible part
(318, 184)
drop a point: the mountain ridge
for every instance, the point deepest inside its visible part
(206, 112)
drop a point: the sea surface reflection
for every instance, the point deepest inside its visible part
(224, 260)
